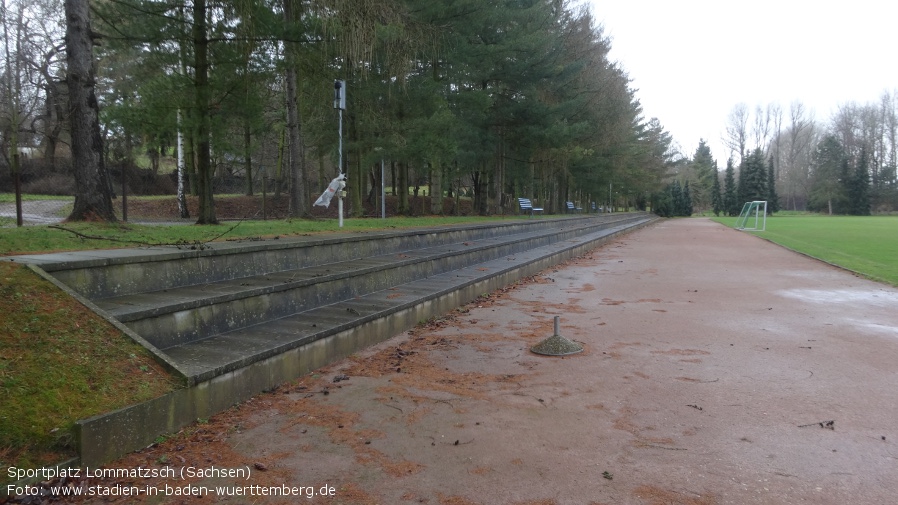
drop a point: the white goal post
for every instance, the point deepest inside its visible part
(753, 216)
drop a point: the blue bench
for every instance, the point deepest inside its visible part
(527, 206)
(572, 208)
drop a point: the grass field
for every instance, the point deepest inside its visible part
(867, 245)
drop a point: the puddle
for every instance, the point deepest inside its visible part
(865, 297)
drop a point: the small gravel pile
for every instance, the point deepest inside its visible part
(556, 345)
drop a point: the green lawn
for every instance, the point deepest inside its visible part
(39, 239)
(11, 198)
(865, 244)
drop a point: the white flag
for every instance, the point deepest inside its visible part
(336, 185)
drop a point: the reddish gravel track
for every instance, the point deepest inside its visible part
(714, 364)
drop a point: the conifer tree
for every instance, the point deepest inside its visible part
(705, 170)
(716, 198)
(93, 194)
(676, 194)
(730, 198)
(686, 209)
(827, 192)
(752, 178)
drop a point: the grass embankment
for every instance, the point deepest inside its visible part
(41, 239)
(863, 244)
(60, 362)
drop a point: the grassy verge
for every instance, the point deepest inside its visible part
(60, 362)
(38, 239)
(11, 198)
(864, 244)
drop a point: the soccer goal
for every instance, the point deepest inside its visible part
(753, 216)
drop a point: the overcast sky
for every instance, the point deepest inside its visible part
(692, 61)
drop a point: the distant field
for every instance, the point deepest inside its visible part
(865, 244)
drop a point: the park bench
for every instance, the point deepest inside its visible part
(527, 206)
(572, 208)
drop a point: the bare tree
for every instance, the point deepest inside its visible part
(762, 124)
(890, 134)
(93, 194)
(798, 142)
(737, 130)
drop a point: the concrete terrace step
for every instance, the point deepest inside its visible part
(235, 319)
(179, 315)
(210, 312)
(225, 352)
(104, 274)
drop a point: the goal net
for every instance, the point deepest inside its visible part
(753, 216)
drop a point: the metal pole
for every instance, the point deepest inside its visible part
(340, 144)
(340, 193)
(383, 192)
(557, 332)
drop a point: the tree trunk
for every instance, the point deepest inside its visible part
(295, 158)
(248, 156)
(359, 181)
(182, 173)
(279, 168)
(93, 194)
(436, 188)
(402, 206)
(203, 143)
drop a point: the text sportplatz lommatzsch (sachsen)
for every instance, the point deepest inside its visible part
(78, 483)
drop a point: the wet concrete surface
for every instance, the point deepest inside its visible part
(719, 368)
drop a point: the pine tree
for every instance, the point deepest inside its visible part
(93, 194)
(716, 198)
(705, 170)
(686, 209)
(827, 192)
(731, 203)
(662, 202)
(753, 177)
